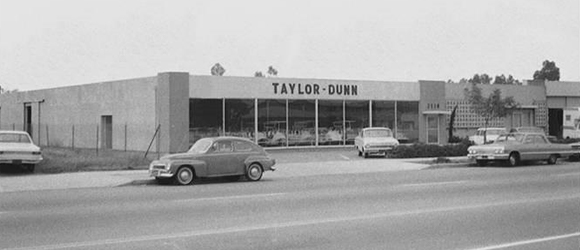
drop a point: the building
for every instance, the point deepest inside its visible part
(170, 111)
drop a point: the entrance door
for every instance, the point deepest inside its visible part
(107, 132)
(28, 118)
(432, 129)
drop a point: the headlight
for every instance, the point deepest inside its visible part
(499, 151)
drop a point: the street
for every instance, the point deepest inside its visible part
(527, 207)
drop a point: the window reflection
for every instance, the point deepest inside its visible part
(384, 114)
(271, 123)
(205, 118)
(240, 118)
(357, 118)
(330, 122)
(301, 118)
(407, 122)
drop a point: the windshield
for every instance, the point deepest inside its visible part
(378, 133)
(200, 146)
(14, 138)
(510, 137)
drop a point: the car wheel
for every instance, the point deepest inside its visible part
(184, 176)
(553, 159)
(481, 163)
(254, 172)
(359, 152)
(513, 160)
(30, 168)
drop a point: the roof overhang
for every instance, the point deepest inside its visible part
(437, 112)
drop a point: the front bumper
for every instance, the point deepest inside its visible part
(488, 157)
(378, 150)
(161, 170)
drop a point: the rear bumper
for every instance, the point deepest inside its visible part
(20, 160)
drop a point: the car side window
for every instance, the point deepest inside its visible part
(529, 139)
(242, 146)
(539, 140)
(222, 147)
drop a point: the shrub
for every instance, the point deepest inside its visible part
(418, 150)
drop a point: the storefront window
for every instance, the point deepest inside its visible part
(272, 123)
(384, 114)
(357, 118)
(240, 118)
(407, 130)
(330, 122)
(301, 120)
(205, 118)
(432, 129)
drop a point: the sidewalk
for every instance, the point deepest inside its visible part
(31, 182)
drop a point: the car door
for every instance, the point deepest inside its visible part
(242, 150)
(219, 160)
(542, 151)
(527, 148)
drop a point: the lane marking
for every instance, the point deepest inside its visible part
(433, 183)
(344, 157)
(527, 242)
(249, 196)
(568, 174)
(229, 230)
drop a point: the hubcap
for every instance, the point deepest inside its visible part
(184, 175)
(254, 172)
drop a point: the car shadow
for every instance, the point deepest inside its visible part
(12, 170)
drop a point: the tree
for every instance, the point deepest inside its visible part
(452, 123)
(493, 106)
(548, 72)
(217, 70)
(272, 71)
(258, 74)
(483, 79)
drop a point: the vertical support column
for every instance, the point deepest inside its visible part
(256, 120)
(223, 116)
(343, 122)
(316, 120)
(172, 111)
(287, 131)
(370, 113)
(396, 125)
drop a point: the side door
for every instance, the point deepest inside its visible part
(543, 149)
(242, 150)
(219, 159)
(527, 148)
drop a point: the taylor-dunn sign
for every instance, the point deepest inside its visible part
(314, 89)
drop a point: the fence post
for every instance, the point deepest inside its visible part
(47, 141)
(73, 136)
(125, 137)
(97, 148)
(153, 139)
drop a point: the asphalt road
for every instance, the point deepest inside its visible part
(529, 207)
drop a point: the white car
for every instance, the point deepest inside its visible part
(17, 148)
(491, 135)
(375, 141)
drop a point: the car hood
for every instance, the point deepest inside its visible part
(26, 147)
(496, 145)
(180, 156)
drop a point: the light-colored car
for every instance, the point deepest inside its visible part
(514, 148)
(231, 157)
(375, 141)
(490, 135)
(17, 148)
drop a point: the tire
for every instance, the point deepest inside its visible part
(481, 163)
(30, 168)
(513, 160)
(366, 155)
(553, 159)
(254, 172)
(184, 176)
(359, 152)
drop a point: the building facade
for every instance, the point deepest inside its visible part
(170, 111)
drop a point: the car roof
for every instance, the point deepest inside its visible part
(491, 129)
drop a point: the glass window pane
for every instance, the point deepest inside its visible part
(384, 114)
(205, 118)
(357, 118)
(240, 118)
(271, 123)
(301, 118)
(330, 122)
(407, 122)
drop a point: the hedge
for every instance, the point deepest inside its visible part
(419, 150)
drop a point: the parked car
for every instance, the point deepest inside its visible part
(17, 148)
(514, 148)
(490, 135)
(375, 141)
(232, 157)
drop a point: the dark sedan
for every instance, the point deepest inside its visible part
(232, 157)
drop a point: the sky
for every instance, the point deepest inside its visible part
(54, 43)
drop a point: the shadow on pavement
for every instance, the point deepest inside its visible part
(13, 170)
